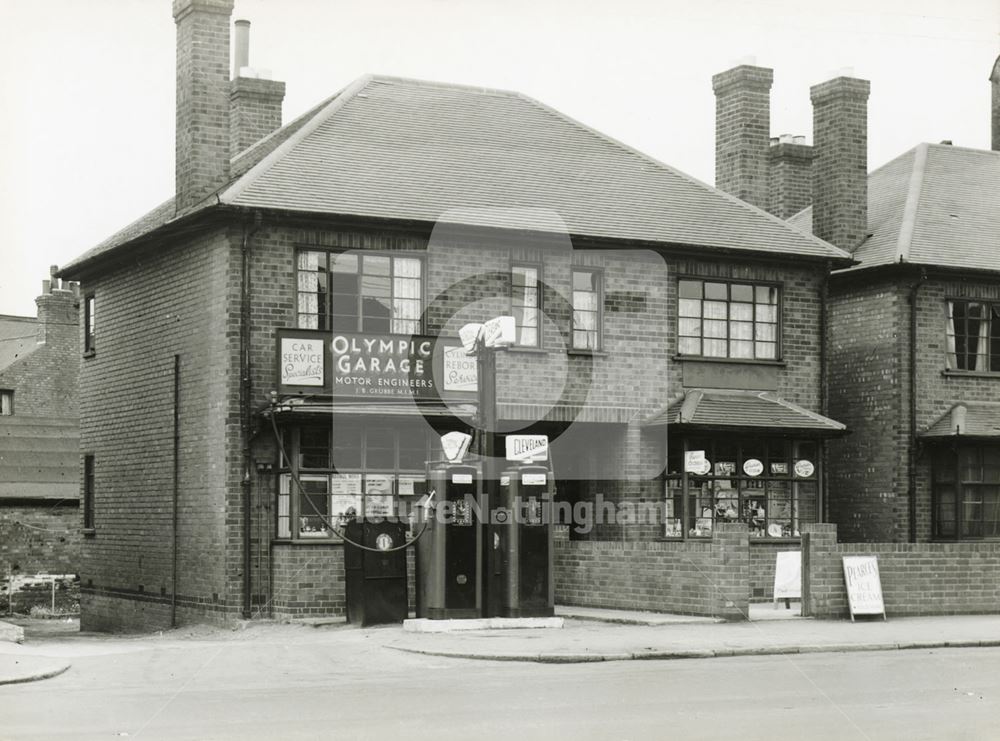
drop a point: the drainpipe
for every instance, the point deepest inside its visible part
(176, 490)
(249, 230)
(911, 492)
(824, 390)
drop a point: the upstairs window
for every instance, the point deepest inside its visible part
(587, 303)
(352, 292)
(727, 320)
(6, 403)
(973, 336)
(525, 302)
(89, 325)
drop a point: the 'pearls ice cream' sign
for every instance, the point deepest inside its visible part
(349, 364)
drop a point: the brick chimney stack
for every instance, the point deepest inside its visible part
(743, 132)
(995, 108)
(202, 138)
(840, 164)
(58, 306)
(254, 101)
(789, 175)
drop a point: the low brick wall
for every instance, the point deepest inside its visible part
(917, 578)
(308, 580)
(686, 578)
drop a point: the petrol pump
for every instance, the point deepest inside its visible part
(518, 538)
(449, 551)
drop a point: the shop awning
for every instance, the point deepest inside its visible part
(314, 405)
(722, 410)
(974, 419)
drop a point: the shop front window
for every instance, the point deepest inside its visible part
(770, 484)
(350, 470)
(966, 492)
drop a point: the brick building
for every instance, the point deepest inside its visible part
(39, 438)
(293, 313)
(914, 327)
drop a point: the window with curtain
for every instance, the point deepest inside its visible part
(727, 320)
(587, 303)
(354, 292)
(525, 301)
(973, 336)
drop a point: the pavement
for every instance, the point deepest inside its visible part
(586, 635)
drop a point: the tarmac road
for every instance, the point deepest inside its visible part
(300, 683)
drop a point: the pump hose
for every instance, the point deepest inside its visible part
(326, 521)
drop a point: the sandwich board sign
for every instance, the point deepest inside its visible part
(788, 576)
(864, 586)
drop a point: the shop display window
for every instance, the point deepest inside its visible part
(349, 470)
(770, 484)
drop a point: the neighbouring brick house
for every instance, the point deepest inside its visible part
(39, 440)
(913, 351)
(310, 281)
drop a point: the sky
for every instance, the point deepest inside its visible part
(87, 140)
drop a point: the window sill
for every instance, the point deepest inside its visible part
(525, 349)
(90, 353)
(88, 532)
(307, 541)
(586, 353)
(729, 361)
(969, 374)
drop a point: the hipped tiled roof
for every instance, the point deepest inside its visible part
(935, 205)
(971, 419)
(713, 409)
(392, 148)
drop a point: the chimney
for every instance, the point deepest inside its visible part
(995, 109)
(254, 100)
(789, 175)
(202, 139)
(743, 131)
(57, 311)
(840, 163)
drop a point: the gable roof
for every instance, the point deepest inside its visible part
(18, 337)
(392, 148)
(934, 205)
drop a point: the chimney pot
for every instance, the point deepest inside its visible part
(241, 44)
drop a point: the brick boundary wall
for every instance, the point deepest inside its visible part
(917, 578)
(685, 578)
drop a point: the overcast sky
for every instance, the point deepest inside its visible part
(87, 136)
